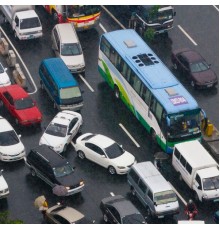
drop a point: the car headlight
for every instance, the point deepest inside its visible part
(81, 182)
(67, 188)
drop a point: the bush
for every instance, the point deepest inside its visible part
(4, 219)
(149, 34)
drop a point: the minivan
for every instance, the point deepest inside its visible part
(66, 45)
(60, 85)
(153, 191)
(54, 169)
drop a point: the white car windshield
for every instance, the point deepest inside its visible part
(114, 151)
(70, 49)
(211, 183)
(55, 129)
(8, 138)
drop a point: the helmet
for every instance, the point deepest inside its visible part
(190, 201)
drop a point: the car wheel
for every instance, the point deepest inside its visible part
(193, 84)
(105, 218)
(33, 173)
(81, 154)
(116, 92)
(133, 192)
(111, 170)
(175, 66)
(64, 148)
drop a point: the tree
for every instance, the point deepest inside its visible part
(4, 219)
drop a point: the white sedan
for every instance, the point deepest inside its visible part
(4, 78)
(11, 147)
(105, 152)
(4, 191)
(61, 130)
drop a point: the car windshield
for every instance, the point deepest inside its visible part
(24, 103)
(136, 218)
(165, 197)
(211, 183)
(29, 23)
(198, 67)
(63, 170)
(8, 138)
(71, 92)
(55, 129)
(114, 151)
(70, 49)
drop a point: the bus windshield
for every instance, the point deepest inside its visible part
(82, 10)
(184, 124)
(72, 92)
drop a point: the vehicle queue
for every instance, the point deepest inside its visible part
(93, 149)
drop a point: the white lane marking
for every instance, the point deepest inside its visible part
(102, 27)
(187, 35)
(112, 194)
(20, 61)
(129, 135)
(181, 198)
(112, 16)
(86, 82)
(216, 8)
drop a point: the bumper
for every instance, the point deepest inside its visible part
(76, 107)
(75, 190)
(12, 158)
(79, 70)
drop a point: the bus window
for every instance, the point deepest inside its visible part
(158, 112)
(137, 84)
(153, 104)
(112, 57)
(118, 62)
(105, 47)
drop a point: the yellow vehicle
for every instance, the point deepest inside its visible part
(82, 16)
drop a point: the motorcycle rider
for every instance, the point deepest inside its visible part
(191, 209)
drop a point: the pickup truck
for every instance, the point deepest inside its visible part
(24, 21)
(198, 169)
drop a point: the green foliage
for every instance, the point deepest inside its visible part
(4, 219)
(149, 34)
(153, 11)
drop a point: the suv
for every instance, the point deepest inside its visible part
(66, 46)
(53, 169)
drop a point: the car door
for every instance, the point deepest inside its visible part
(9, 103)
(73, 128)
(184, 65)
(96, 154)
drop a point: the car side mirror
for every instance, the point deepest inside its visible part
(5, 69)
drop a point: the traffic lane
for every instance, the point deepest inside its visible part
(202, 24)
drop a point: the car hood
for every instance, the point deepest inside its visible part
(51, 140)
(74, 60)
(12, 149)
(126, 159)
(205, 76)
(3, 183)
(68, 180)
(29, 114)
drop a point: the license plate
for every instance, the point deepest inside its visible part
(210, 85)
(160, 217)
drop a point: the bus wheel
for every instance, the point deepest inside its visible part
(117, 92)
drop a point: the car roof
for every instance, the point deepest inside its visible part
(51, 156)
(101, 141)
(70, 214)
(192, 56)
(124, 206)
(15, 91)
(5, 125)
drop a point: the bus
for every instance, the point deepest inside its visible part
(83, 17)
(148, 89)
(158, 18)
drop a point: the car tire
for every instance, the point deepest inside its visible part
(175, 66)
(111, 170)
(105, 218)
(133, 192)
(116, 92)
(81, 154)
(33, 173)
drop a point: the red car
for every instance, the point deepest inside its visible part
(20, 105)
(194, 67)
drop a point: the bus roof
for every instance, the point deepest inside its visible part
(151, 70)
(60, 73)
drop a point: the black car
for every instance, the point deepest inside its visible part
(55, 170)
(194, 67)
(119, 210)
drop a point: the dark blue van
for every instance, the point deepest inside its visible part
(60, 84)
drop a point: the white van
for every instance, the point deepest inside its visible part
(66, 46)
(198, 169)
(153, 191)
